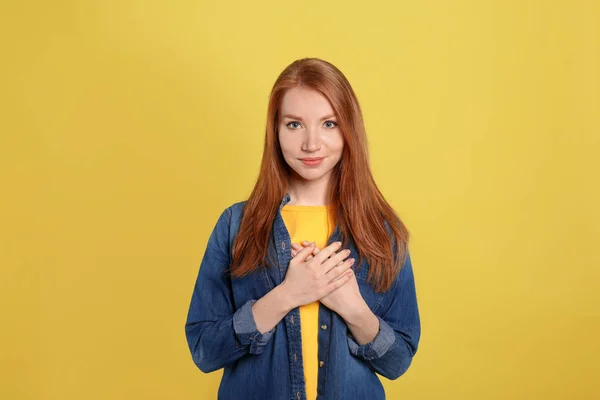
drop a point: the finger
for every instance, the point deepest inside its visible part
(314, 253)
(339, 282)
(306, 243)
(328, 251)
(339, 269)
(304, 253)
(339, 277)
(297, 247)
(335, 259)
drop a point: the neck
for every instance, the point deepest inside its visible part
(308, 193)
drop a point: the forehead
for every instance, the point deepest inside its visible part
(306, 103)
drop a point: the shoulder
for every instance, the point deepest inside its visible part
(230, 215)
(235, 211)
(231, 218)
(227, 226)
(236, 208)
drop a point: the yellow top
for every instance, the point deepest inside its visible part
(309, 223)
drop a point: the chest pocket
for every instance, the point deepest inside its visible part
(367, 291)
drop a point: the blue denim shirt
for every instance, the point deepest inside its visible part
(221, 330)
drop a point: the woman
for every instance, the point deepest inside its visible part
(306, 289)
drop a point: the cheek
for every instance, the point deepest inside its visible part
(284, 141)
(288, 144)
(334, 141)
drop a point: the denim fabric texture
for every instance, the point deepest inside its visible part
(221, 331)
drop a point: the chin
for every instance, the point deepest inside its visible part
(310, 176)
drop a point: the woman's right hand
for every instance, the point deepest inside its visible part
(310, 278)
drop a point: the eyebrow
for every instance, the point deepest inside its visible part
(299, 118)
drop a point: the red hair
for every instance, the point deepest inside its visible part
(359, 207)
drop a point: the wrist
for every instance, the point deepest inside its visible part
(283, 298)
(364, 325)
(358, 316)
(271, 308)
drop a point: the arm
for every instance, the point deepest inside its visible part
(217, 333)
(391, 352)
(363, 324)
(271, 309)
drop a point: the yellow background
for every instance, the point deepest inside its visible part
(128, 126)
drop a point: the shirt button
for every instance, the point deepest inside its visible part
(323, 326)
(298, 395)
(283, 245)
(321, 363)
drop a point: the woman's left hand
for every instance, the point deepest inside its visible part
(345, 300)
(350, 305)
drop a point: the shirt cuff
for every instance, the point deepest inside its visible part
(245, 329)
(377, 347)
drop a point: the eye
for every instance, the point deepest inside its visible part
(293, 125)
(332, 124)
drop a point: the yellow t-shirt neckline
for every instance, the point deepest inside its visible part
(304, 208)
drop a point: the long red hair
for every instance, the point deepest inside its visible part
(359, 207)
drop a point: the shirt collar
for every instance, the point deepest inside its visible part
(286, 199)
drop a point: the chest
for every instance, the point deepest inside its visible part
(272, 272)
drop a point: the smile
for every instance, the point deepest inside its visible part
(312, 162)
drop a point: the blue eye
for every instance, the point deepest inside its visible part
(293, 122)
(334, 124)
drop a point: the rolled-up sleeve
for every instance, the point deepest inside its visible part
(246, 331)
(391, 352)
(217, 333)
(377, 347)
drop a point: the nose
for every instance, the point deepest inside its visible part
(312, 140)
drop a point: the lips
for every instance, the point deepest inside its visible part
(312, 161)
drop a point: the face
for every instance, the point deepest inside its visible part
(311, 141)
